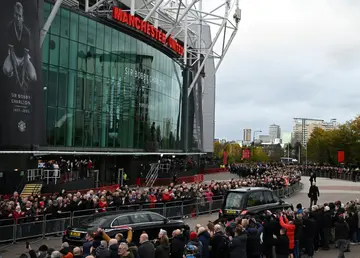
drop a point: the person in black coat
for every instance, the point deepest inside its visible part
(238, 244)
(163, 249)
(327, 225)
(313, 194)
(341, 235)
(253, 247)
(281, 244)
(310, 230)
(271, 227)
(146, 248)
(204, 238)
(218, 243)
(177, 245)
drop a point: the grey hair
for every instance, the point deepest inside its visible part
(55, 254)
(124, 245)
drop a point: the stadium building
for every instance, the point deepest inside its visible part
(119, 82)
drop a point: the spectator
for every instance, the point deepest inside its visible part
(146, 249)
(238, 243)
(341, 235)
(163, 249)
(282, 244)
(290, 232)
(194, 240)
(77, 252)
(219, 243)
(177, 244)
(204, 237)
(124, 251)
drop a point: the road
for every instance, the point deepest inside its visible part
(330, 191)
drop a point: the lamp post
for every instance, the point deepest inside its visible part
(253, 148)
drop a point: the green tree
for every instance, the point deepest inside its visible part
(259, 155)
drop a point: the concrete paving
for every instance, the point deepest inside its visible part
(330, 190)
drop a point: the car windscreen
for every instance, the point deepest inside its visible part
(234, 200)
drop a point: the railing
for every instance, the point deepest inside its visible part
(50, 224)
(334, 175)
(152, 174)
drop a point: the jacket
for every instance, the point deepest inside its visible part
(162, 251)
(290, 230)
(341, 230)
(146, 250)
(282, 245)
(237, 246)
(253, 246)
(177, 246)
(204, 238)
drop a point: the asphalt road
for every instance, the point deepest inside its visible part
(330, 190)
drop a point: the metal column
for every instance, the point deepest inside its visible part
(185, 110)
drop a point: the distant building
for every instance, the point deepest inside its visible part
(303, 128)
(286, 137)
(274, 132)
(264, 138)
(247, 135)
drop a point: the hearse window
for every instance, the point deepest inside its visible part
(255, 198)
(120, 221)
(140, 218)
(156, 217)
(276, 199)
(233, 200)
(269, 197)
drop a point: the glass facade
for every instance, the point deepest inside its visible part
(106, 89)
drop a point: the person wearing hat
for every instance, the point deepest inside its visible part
(194, 240)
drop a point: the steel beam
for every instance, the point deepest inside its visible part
(93, 7)
(194, 81)
(156, 6)
(49, 21)
(187, 9)
(132, 7)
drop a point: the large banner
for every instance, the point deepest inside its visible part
(21, 89)
(246, 154)
(341, 156)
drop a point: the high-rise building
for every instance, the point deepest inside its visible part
(274, 132)
(286, 137)
(303, 127)
(247, 135)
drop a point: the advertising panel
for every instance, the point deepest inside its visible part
(246, 153)
(21, 89)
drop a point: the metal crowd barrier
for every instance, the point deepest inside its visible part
(334, 175)
(43, 226)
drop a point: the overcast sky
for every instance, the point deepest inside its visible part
(290, 58)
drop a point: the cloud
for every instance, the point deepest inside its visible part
(290, 59)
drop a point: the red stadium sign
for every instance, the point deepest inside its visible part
(146, 28)
(341, 156)
(246, 154)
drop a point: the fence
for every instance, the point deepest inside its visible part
(334, 175)
(47, 225)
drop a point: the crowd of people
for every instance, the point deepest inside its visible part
(282, 235)
(55, 206)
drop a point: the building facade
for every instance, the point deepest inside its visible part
(303, 127)
(247, 135)
(274, 132)
(109, 87)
